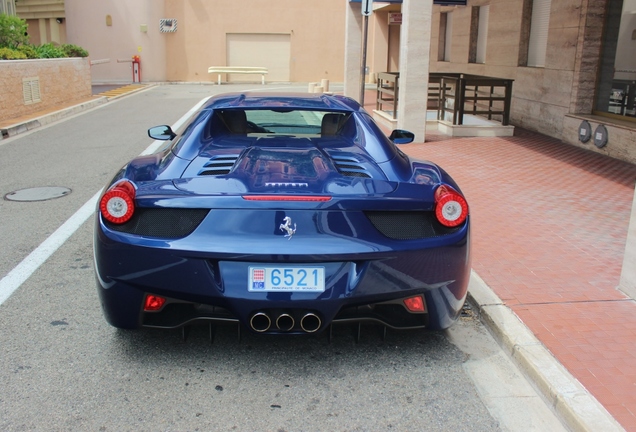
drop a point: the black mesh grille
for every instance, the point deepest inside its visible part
(355, 174)
(215, 172)
(161, 222)
(408, 225)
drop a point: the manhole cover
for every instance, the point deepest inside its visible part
(38, 193)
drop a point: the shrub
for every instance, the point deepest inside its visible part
(49, 51)
(11, 54)
(13, 31)
(74, 50)
(29, 51)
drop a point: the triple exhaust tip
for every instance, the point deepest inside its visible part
(261, 322)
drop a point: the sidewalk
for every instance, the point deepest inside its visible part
(549, 224)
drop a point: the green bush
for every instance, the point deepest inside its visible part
(13, 31)
(49, 51)
(74, 50)
(11, 54)
(29, 51)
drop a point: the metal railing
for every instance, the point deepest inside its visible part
(455, 94)
(388, 85)
(461, 94)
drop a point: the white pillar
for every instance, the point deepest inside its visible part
(628, 274)
(353, 50)
(415, 47)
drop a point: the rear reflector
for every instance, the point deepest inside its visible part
(153, 303)
(286, 198)
(415, 304)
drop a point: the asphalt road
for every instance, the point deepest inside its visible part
(63, 368)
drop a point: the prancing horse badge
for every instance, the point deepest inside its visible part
(287, 226)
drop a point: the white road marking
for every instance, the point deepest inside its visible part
(20, 273)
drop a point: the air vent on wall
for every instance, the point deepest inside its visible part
(31, 90)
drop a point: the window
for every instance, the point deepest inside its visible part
(616, 91)
(538, 39)
(478, 34)
(445, 31)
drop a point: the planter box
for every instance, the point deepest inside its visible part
(30, 86)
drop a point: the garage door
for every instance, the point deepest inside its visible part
(259, 50)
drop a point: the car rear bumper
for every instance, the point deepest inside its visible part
(206, 286)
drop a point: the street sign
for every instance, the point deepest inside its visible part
(367, 7)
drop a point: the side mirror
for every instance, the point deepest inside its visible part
(400, 136)
(163, 133)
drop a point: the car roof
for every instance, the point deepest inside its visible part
(262, 100)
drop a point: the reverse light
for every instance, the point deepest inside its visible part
(451, 209)
(415, 304)
(153, 303)
(117, 204)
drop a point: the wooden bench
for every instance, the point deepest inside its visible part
(220, 70)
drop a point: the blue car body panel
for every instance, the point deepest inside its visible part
(196, 232)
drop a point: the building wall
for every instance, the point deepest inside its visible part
(133, 30)
(45, 20)
(61, 81)
(542, 96)
(316, 33)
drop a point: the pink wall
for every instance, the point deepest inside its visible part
(120, 41)
(61, 81)
(316, 32)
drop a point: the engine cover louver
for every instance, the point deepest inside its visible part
(349, 166)
(219, 165)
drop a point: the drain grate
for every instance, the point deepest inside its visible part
(38, 193)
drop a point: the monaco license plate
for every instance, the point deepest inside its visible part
(286, 279)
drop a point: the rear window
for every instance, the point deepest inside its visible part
(283, 122)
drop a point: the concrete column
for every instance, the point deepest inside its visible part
(628, 274)
(42, 25)
(415, 47)
(353, 50)
(55, 31)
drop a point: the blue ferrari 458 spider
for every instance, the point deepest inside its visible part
(286, 214)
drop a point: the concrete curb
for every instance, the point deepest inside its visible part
(575, 406)
(45, 119)
(54, 116)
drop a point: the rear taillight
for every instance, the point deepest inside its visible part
(118, 203)
(451, 208)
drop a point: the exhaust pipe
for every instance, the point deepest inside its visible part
(310, 323)
(285, 322)
(260, 322)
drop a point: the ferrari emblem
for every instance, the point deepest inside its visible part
(287, 226)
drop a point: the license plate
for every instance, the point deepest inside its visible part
(286, 279)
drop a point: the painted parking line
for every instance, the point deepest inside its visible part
(20, 273)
